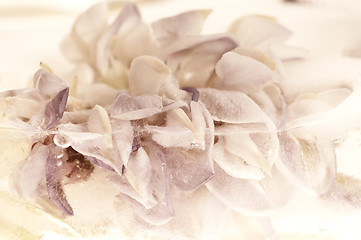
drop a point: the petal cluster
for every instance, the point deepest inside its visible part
(179, 120)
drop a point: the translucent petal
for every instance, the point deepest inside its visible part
(19, 106)
(122, 138)
(157, 215)
(99, 123)
(346, 189)
(170, 29)
(311, 161)
(192, 59)
(272, 102)
(48, 84)
(55, 108)
(234, 165)
(90, 144)
(133, 41)
(172, 136)
(233, 107)
(242, 73)
(149, 75)
(244, 146)
(126, 20)
(189, 170)
(54, 185)
(78, 45)
(249, 196)
(197, 111)
(32, 173)
(96, 94)
(257, 55)
(257, 31)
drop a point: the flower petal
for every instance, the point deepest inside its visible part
(242, 73)
(78, 45)
(48, 84)
(170, 29)
(258, 31)
(172, 136)
(192, 59)
(233, 165)
(150, 75)
(32, 173)
(250, 197)
(312, 162)
(55, 108)
(128, 18)
(233, 107)
(54, 185)
(123, 138)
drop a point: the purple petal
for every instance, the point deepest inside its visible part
(53, 184)
(54, 109)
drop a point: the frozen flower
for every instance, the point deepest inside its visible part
(186, 126)
(109, 49)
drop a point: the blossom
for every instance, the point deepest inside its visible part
(108, 49)
(177, 120)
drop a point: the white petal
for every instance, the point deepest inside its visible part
(242, 73)
(133, 41)
(193, 59)
(170, 29)
(32, 173)
(48, 84)
(123, 138)
(96, 94)
(157, 215)
(249, 196)
(128, 18)
(198, 123)
(172, 136)
(139, 174)
(233, 107)
(149, 75)
(99, 123)
(189, 170)
(243, 146)
(234, 165)
(245, 196)
(257, 31)
(312, 162)
(78, 46)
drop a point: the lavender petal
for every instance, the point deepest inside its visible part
(54, 109)
(54, 186)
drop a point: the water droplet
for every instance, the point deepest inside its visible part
(194, 145)
(61, 140)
